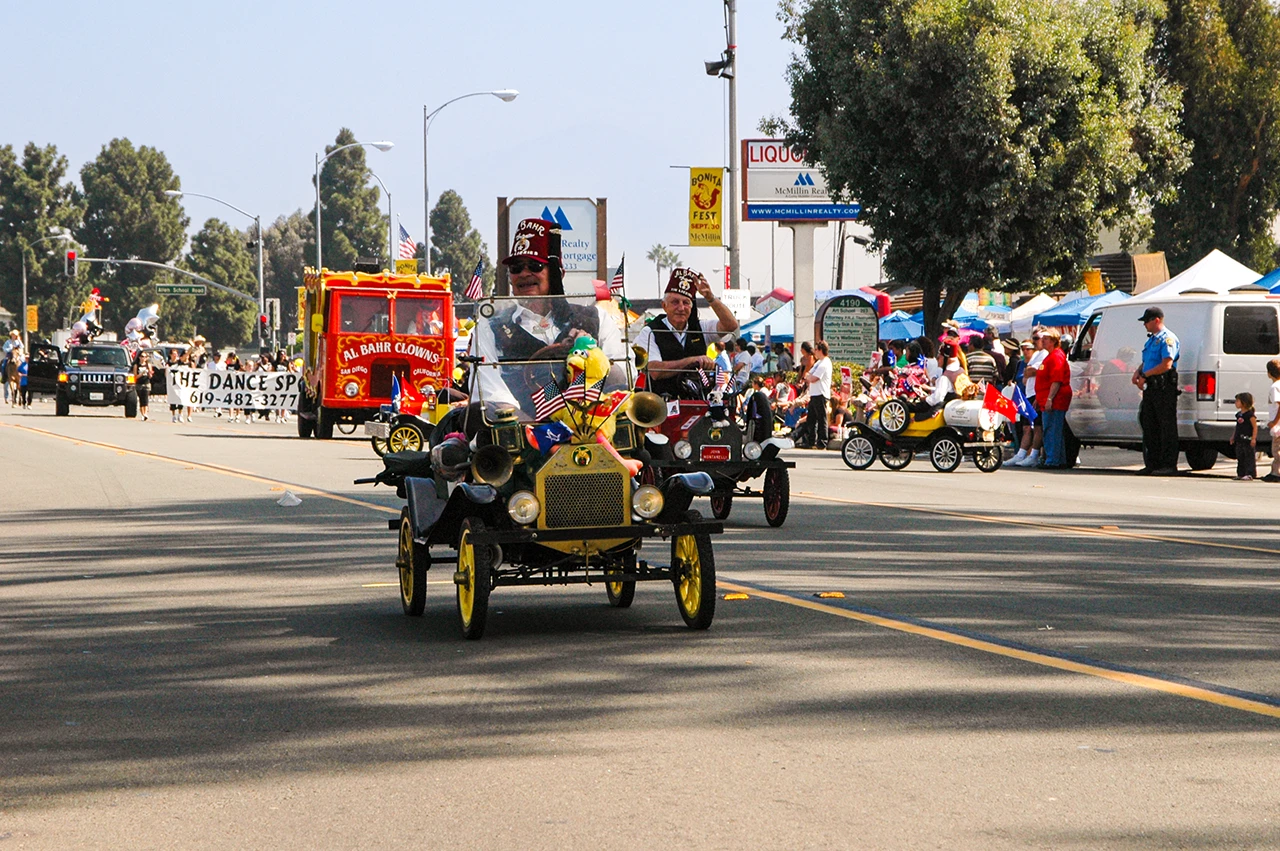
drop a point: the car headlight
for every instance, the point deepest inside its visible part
(523, 507)
(751, 451)
(683, 449)
(647, 502)
(351, 389)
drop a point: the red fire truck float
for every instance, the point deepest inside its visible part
(360, 329)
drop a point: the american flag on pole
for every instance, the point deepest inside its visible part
(615, 286)
(407, 246)
(578, 391)
(475, 289)
(547, 399)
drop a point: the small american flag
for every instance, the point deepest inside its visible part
(722, 378)
(547, 399)
(475, 289)
(615, 286)
(578, 391)
(407, 246)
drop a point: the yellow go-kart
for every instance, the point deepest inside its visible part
(902, 427)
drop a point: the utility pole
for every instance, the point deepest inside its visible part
(734, 177)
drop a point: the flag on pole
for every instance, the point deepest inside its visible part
(395, 393)
(407, 246)
(995, 401)
(615, 286)
(1023, 405)
(547, 399)
(475, 289)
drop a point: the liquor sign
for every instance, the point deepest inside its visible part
(780, 184)
(706, 190)
(850, 326)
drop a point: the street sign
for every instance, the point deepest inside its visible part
(181, 289)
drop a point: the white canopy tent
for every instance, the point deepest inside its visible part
(1216, 273)
(1020, 318)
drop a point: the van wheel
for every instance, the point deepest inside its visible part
(1202, 456)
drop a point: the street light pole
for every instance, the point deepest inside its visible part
(381, 146)
(504, 95)
(257, 223)
(390, 224)
(63, 235)
(735, 260)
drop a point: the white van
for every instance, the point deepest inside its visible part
(1226, 342)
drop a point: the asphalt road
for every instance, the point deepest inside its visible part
(1020, 660)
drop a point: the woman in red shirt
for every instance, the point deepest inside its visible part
(1053, 397)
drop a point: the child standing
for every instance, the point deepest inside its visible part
(1245, 438)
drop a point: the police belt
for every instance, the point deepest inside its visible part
(1163, 381)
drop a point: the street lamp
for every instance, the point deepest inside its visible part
(504, 95)
(54, 233)
(391, 244)
(257, 221)
(381, 146)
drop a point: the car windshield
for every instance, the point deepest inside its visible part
(98, 356)
(521, 345)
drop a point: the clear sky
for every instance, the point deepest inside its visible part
(241, 95)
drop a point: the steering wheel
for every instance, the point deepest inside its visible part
(536, 375)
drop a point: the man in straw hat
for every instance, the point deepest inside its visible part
(676, 340)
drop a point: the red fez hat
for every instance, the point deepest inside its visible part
(532, 241)
(684, 282)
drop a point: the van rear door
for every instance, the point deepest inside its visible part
(1250, 338)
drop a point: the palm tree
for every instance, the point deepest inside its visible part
(662, 258)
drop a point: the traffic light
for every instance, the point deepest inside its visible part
(264, 325)
(273, 313)
(71, 266)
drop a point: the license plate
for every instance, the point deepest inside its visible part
(714, 453)
(96, 397)
(377, 430)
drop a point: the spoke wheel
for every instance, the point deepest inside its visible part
(946, 454)
(621, 594)
(695, 576)
(472, 581)
(858, 451)
(379, 446)
(404, 437)
(777, 496)
(411, 561)
(895, 459)
(721, 504)
(989, 460)
(894, 416)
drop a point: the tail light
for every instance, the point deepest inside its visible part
(1206, 386)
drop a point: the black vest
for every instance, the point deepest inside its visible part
(515, 343)
(671, 349)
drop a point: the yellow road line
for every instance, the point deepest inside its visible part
(1043, 659)
(213, 468)
(1105, 532)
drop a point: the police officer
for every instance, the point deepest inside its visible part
(1157, 378)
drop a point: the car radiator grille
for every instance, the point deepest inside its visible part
(587, 499)
(98, 377)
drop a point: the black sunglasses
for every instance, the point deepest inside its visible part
(519, 266)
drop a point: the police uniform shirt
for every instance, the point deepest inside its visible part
(1160, 345)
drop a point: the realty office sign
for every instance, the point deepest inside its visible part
(577, 220)
(780, 184)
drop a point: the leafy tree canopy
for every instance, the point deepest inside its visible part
(1226, 55)
(219, 253)
(34, 199)
(350, 221)
(286, 254)
(456, 245)
(988, 141)
(128, 216)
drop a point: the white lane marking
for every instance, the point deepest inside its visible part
(1204, 501)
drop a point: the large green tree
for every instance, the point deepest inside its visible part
(456, 246)
(128, 216)
(351, 223)
(988, 141)
(219, 253)
(1226, 55)
(286, 255)
(36, 198)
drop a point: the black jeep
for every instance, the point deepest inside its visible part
(43, 367)
(97, 375)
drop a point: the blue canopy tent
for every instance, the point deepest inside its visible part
(1076, 311)
(1271, 281)
(781, 322)
(900, 328)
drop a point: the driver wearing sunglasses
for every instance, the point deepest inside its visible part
(539, 326)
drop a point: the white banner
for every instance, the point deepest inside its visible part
(216, 388)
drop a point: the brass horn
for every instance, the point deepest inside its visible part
(647, 410)
(492, 465)
(642, 357)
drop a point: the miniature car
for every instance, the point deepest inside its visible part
(902, 427)
(537, 482)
